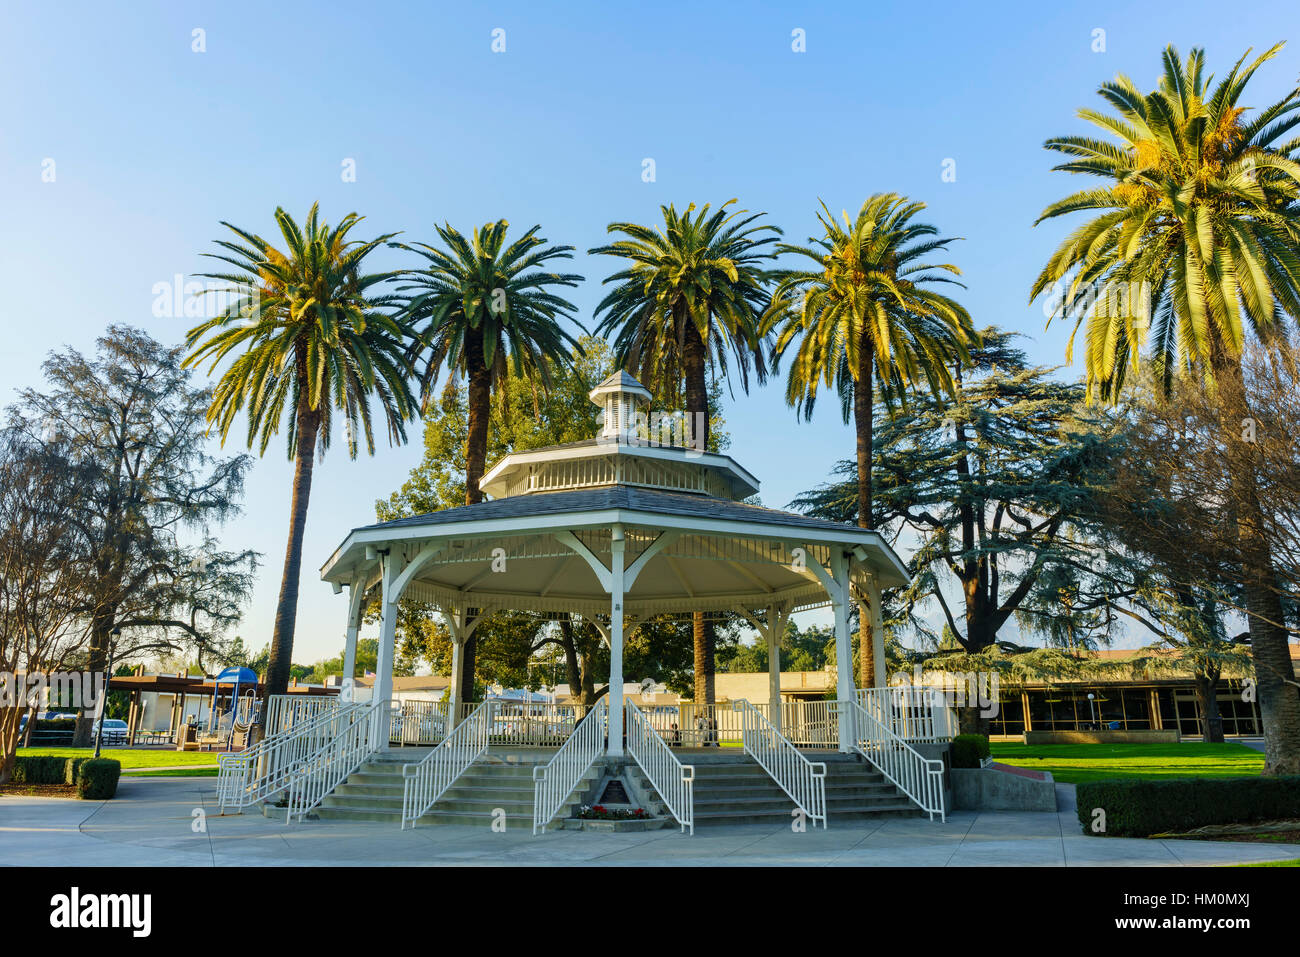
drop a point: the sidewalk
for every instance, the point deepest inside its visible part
(151, 822)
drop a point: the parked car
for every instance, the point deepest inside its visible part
(115, 731)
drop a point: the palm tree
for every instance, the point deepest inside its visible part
(1193, 247)
(310, 337)
(865, 311)
(480, 309)
(693, 291)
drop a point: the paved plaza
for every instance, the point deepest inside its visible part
(153, 822)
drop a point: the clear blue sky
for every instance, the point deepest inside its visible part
(153, 143)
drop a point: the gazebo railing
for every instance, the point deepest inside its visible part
(263, 770)
(320, 772)
(674, 781)
(419, 723)
(920, 778)
(802, 779)
(914, 712)
(555, 781)
(283, 711)
(426, 781)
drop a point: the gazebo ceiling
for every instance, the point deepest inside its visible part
(527, 553)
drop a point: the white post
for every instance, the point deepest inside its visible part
(457, 675)
(355, 591)
(877, 633)
(616, 642)
(775, 625)
(843, 644)
(387, 643)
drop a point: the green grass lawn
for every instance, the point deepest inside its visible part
(1075, 763)
(132, 758)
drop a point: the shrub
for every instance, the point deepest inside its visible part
(969, 749)
(97, 780)
(39, 769)
(1136, 808)
(71, 767)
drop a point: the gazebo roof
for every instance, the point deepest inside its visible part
(547, 538)
(701, 553)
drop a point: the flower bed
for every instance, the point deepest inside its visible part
(599, 812)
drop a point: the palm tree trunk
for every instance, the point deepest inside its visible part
(480, 408)
(697, 409)
(286, 611)
(863, 403)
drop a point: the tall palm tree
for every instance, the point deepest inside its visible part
(479, 309)
(866, 312)
(310, 338)
(693, 291)
(1193, 247)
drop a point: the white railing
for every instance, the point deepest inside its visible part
(920, 778)
(807, 724)
(419, 722)
(319, 773)
(262, 771)
(537, 724)
(427, 780)
(283, 711)
(555, 781)
(913, 712)
(803, 780)
(674, 781)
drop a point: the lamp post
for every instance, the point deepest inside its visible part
(102, 709)
(1092, 710)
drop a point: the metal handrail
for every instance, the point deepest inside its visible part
(917, 776)
(674, 781)
(555, 781)
(802, 779)
(315, 776)
(262, 771)
(427, 780)
(913, 712)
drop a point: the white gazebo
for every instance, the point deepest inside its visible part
(614, 530)
(617, 529)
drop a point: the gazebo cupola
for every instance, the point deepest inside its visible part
(632, 449)
(621, 397)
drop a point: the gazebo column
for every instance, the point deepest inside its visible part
(617, 544)
(770, 629)
(460, 626)
(843, 645)
(356, 592)
(387, 632)
(777, 616)
(877, 633)
(836, 583)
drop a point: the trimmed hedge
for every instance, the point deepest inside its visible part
(1137, 808)
(98, 779)
(39, 769)
(969, 749)
(95, 779)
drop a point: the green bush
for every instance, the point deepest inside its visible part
(98, 779)
(39, 769)
(71, 767)
(1137, 808)
(969, 749)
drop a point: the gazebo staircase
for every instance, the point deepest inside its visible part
(734, 789)
(374, 792)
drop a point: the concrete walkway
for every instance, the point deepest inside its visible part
(151, 822)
